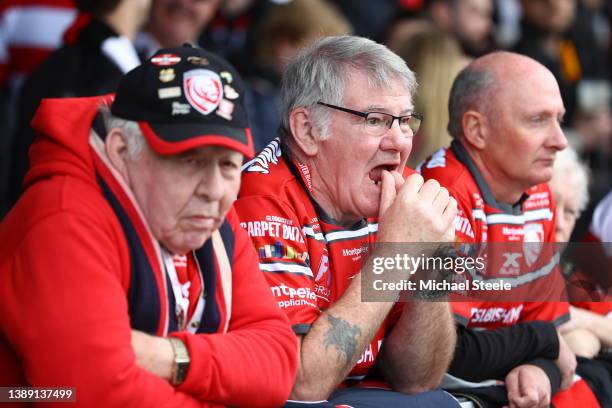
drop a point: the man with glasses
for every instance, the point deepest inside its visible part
(310, 202)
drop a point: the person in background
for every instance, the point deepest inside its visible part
(283, 31)
(469, 21)
(592, 127)
(589, 330)
(174, 22)
(560, 35)
(30, 30)
(124, 272)
(436, 59)
(98, 50)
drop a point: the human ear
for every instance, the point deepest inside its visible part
(476, 130)
(305, 134)
(116, 150)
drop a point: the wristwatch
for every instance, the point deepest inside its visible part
(181, 361)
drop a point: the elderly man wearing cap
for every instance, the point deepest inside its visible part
(123, 270)
(310, 201)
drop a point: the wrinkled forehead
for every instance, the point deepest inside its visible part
(370, 91)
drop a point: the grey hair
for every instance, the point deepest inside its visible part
(569, 166)
(470, 91)
(321, 73)
(134, 139)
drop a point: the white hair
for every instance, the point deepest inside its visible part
(321, 72)
(134, 139)
(568, 166)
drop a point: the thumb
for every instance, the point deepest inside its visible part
(524, 382)
(388, 192)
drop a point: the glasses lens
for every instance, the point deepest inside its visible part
(377, 123)
(410, 124)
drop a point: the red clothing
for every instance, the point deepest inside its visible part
(481, 219)
(307, 259)
(66, 291)
(503, 228)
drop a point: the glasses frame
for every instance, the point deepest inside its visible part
(365, 114)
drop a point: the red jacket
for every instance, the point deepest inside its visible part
(308, 259)
(65, 274)
(481, 219)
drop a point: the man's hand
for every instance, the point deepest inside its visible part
(415, 211)
(154, 354)
(566, 363)
(528, 386)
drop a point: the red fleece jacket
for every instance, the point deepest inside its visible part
(64, 279)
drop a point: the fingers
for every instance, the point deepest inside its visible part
(529, 400)
(520, 393)
(528, 386)
(544, 398)
(524, 383)
(532, 386)
(399, 180)
(450, 211)
(512, 386)
(429, 191)
(418, 212)
(566, 382)
(441, 199)
(388, 192)
(413, 184)
(432, 193)
(566, 363)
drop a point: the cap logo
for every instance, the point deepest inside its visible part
(227, 76)
(198, 60)
(230, 92)
(166, 75)
(225, 109)
(172, 92)
(165, 60)
(203, 90)
(180, 108)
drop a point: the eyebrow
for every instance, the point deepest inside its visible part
(379, 108)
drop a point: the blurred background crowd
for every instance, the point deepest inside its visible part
(67, 48)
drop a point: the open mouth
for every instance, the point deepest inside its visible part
(376, 173)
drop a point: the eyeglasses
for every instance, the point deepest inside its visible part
(378, 123)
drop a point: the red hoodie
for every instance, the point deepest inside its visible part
(65, 276)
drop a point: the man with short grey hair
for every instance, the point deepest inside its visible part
(310, 203)
(505, 115)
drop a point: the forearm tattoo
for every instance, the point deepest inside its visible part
(344, 337)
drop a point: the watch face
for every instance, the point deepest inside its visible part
(181, 372)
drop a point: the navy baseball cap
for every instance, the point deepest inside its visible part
(184, 98)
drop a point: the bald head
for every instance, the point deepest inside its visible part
(509, 66)
(507, 110)
(489, 81)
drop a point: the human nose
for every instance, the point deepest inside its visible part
(557, 139)
(395, 138)
(211, 184)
